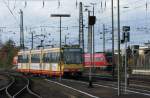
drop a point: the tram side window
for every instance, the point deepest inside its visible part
(23, 59)
(46, 57)
(35, 58)
(54, 56)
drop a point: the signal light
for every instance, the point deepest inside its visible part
(92, 20)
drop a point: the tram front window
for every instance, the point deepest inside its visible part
(73, 57)
(109, 59)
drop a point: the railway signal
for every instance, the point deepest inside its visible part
(126, 34)
(91, 22)
(126, 39)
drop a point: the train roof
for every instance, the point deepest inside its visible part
(44, 50)
(96, 55)
(23, 52)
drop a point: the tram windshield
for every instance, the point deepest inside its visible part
(72, 56)
(109, 58)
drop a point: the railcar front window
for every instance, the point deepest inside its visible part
(109, 59)
(99, 59)
(87, 59)
(96, 59)
(72, 57)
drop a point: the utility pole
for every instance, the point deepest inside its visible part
(60, 16)
(113, 50)
(81, 29)
(42, 44)
(125, 65)
(65, 39)
(90, 38)
(89, 35)
(93, 39)
(126, 39)
(31, 39)
(89, 45)
(104, 38)
(91, 22)
(21, 30)
(119, 59)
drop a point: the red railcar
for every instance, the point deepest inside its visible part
(101, 65)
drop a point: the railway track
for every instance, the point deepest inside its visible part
(18, 87)
(112, 86)
(139, 86)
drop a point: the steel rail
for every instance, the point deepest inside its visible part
(8, 93)
(18, 92)
(1, 89)
(7, 86)
(30, 91)
(114, 86)
(26, 87)
(6, 90)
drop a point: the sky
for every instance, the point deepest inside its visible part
(134, 13)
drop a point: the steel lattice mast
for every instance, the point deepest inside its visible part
(21, 30)
(81, 28)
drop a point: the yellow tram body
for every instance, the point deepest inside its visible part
(48, 62)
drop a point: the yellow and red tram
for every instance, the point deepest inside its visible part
(48, 62)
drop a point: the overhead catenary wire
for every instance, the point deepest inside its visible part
(25, 4)
(128, 10)
(146, 21)
(76, 3)
(11, 12)
(58, 3)
(124, 5)
(14, 5)
(123, 12)
(43, 4)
